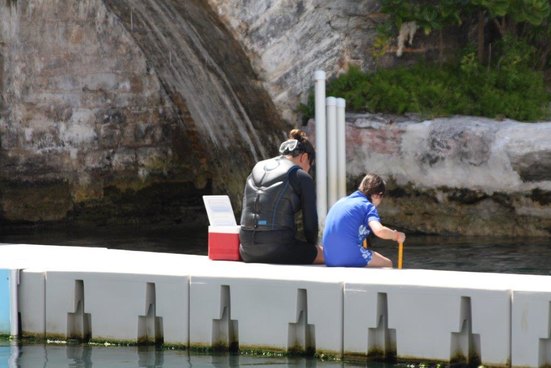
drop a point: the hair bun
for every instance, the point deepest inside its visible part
(298, 143)
(298, 134)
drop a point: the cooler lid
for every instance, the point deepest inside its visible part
(219, 210)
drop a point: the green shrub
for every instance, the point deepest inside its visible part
(510, 90)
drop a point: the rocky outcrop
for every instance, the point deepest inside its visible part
(104, 101)
(81, 110)
(455, 176)
(459, 175)
(287, 41)
(129, 111)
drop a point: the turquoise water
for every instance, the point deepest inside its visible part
(85, 356)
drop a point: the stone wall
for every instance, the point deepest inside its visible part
(459, 175)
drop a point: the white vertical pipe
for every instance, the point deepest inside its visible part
(332, 186)
(321, 146)
(14, 302)
(341, 147)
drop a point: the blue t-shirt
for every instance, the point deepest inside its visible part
(346, 227)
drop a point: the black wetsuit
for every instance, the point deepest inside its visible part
(275, 191)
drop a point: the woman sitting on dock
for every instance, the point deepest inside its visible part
(275, 191)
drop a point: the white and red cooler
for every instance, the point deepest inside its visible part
(223, 241)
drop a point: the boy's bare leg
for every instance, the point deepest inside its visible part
(378, 260)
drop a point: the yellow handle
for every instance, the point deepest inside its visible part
(400, 254)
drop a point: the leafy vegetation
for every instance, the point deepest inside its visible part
(441, 90)
(499, 75)
(528, 20)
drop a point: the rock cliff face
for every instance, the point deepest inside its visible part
(129, 111)
(103, 103)
(287, 41)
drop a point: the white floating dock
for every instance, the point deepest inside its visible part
(100, 294)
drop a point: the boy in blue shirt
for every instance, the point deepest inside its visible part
(350, 221)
